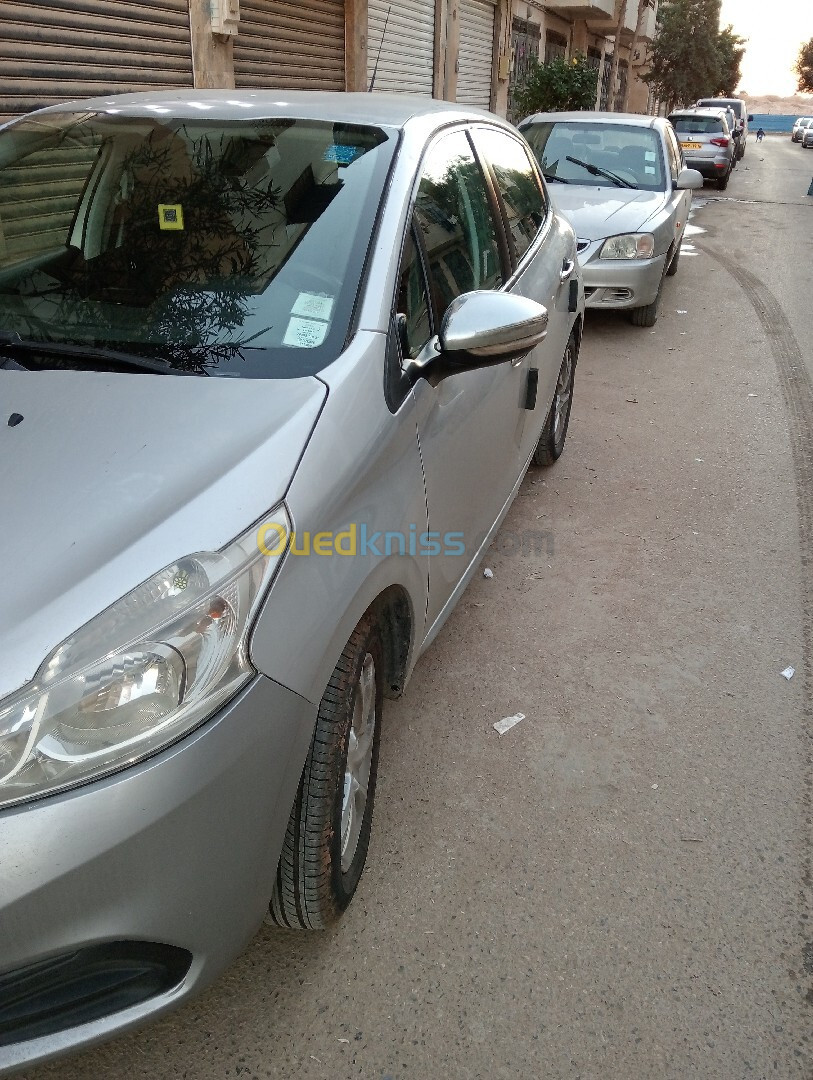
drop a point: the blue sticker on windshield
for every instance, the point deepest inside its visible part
(342, 155)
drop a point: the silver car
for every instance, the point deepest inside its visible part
(799, 127)
(622, 181)
(706, 142)
(273, 368)
(807, 136)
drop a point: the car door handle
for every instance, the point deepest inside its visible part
(568, 266)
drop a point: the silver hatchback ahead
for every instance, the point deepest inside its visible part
(274, 366)
(707, 142)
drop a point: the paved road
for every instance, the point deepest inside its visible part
(619, 887)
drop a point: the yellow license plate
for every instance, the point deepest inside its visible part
(692, 146)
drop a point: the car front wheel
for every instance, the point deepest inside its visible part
(329, 828)
(552, 440)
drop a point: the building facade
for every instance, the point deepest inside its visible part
(472, 51)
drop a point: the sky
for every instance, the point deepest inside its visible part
(774, 31)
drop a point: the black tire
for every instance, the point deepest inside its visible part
(554, 433)
(673, 265)
(648, 314)
(722, 181)
(316, 879)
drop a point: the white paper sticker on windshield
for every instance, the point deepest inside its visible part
(648, 169)
(313, 306)
(305, 333)
(649, 155)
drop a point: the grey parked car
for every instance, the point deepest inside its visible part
(273, 368)
(807, 136)
(799, 128)
(706, 142)
(622, 181)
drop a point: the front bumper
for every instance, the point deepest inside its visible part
(619, 283)
(179, 850)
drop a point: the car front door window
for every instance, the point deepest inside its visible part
(518, 185)
(675, 155)
(454, 215)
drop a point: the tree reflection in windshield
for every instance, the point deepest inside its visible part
(178, 231)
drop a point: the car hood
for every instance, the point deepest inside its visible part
(596, 212)
(110, 477)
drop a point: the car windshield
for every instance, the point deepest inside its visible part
(222, 247)
(629, 152)
(696, 125)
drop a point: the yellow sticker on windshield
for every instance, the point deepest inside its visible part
(170, 216)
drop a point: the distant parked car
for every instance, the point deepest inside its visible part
(742, 114)
(807, 136)
(706, 142)
(273, 366)
(623, 182)
(799, 128)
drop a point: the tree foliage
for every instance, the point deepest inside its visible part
(730, 49)
(804, 68)
(559, 86)
(691, 57)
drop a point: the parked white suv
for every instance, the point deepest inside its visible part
(740, 111)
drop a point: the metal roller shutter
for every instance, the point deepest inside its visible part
(63, 49)
(476, 52)
(295, 46)
(407, 53)
(38, 198)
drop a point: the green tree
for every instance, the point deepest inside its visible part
(684, 59)
(560, 86)
(804, 68)
(730, 51)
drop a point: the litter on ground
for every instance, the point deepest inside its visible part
(507, 723)
(788, 673)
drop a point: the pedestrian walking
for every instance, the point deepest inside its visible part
(760, 134)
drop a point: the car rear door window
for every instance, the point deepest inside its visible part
(518, 185)
(454, 215)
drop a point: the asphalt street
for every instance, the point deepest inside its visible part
(621, 885)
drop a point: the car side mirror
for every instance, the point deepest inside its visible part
(689, 178)
(480, 329)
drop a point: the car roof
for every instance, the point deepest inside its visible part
(637, 119)
(391, 110)
(696, 110)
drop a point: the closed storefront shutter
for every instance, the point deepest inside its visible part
(406, 55)
(476, 52)
(295, 46)
(64, 49)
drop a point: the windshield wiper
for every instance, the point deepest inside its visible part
(11, 342)
(594, 170)
(558, 179)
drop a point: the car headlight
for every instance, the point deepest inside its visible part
(628, 246)
(141, 674)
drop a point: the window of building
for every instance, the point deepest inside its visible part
(555, 46)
